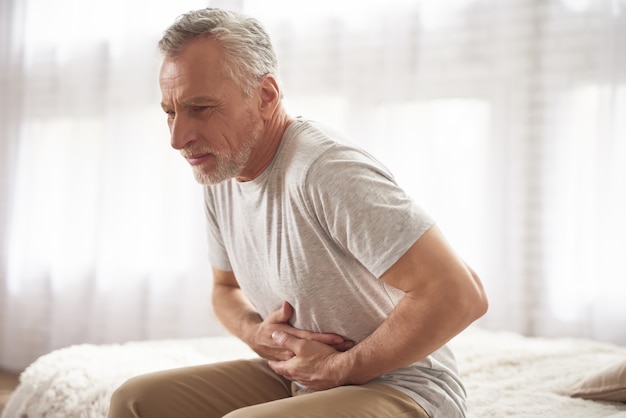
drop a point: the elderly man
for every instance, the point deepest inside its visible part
(345, 287)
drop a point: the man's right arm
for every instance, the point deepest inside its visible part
(239, 317)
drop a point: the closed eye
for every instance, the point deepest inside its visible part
(199, 109)
(168, 111)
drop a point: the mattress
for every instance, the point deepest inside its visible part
(506, 374)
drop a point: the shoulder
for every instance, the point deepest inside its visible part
(304, 142)
(325, 156)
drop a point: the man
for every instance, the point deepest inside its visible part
(321, 263)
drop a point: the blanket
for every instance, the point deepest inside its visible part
(506, 374)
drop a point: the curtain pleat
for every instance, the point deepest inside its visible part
(503, 119)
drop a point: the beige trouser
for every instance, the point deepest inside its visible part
(250, 389)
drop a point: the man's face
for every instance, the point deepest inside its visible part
(213, 124)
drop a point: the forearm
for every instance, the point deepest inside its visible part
(240, 317)
(398, 342)
(415, 329)
(235, 312)
(443, 295)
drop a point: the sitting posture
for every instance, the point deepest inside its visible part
(322, 264)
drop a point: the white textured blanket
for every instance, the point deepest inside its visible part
(506, 375)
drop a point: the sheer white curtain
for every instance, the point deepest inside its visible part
(102, 230)
(504, 119)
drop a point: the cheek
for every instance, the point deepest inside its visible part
(226, 133)
(241, 128)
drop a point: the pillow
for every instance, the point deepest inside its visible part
(608, 384)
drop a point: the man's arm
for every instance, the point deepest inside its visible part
(241, 318)
(442, 297)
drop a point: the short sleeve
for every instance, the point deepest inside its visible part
(218, 256)
(357, 201)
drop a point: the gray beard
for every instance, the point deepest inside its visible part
(224, 169)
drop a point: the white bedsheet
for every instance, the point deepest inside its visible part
(506, 375)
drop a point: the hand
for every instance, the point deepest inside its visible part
(313, 364)
(278, 321)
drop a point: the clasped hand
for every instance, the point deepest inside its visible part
(302, 356)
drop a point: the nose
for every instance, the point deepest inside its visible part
(182, 132)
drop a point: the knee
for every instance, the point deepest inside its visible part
(127, 399)
(257, 411)
(243, 413)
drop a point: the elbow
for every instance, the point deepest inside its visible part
(479, 304)
(472, 308)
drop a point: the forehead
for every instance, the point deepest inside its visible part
(196, 69)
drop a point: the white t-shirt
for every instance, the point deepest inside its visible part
(318, 228)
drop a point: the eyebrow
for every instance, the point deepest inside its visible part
(198, 100)
(194, 101)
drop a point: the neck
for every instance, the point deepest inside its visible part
(265, 150)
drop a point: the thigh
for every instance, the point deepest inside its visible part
(372, 400)
(207, 391)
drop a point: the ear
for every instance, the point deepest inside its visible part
(269, 96)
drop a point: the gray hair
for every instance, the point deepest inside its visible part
(249, 54)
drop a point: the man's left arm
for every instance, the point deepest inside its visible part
(442, 297)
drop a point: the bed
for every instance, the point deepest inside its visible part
(506, 375)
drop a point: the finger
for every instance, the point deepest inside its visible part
(278, 367)
(287, 311)
(344, 346)
(329, 339)
(283, 355)
(282, 314)
(285, 340)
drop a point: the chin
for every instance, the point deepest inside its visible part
(209, 179)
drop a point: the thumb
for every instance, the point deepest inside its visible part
(283, 339)
(281, 315)
(285, 312)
